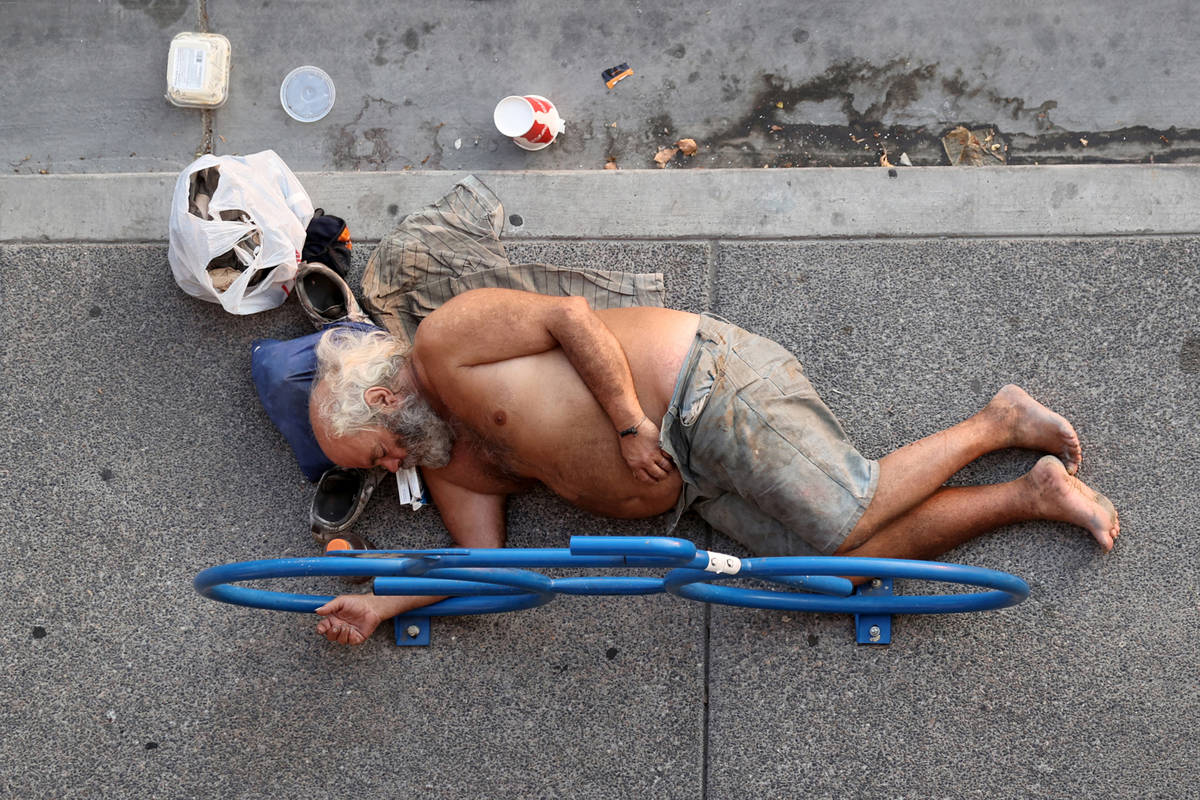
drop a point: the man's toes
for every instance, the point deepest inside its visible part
(1111, 532)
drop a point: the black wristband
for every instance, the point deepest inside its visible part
(633, 430)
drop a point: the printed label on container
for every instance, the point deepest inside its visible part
(189, 69)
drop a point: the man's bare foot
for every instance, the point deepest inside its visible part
(1064, 498)
(1031, 425)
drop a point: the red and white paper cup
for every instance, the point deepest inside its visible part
(531, 120)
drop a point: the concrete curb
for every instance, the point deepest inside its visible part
(918, 202)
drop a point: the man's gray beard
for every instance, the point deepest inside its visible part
(425, 435)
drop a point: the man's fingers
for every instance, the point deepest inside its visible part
(653, 469)
(338, 632)
(333, 606)
(651, 473)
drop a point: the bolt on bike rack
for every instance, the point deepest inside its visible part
(486, 581)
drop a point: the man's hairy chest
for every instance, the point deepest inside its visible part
(482, 465)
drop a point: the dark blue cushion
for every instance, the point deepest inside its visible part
(283, 373)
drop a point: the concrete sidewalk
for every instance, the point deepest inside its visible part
(663, 206)
(135, 453)
(774, 83)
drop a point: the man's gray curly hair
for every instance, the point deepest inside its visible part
(350, 361)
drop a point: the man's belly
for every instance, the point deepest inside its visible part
(545, 424)
(629, 499)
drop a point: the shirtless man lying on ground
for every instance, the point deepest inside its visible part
(639, 411)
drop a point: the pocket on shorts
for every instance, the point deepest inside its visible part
(696, 397)
(772, 362)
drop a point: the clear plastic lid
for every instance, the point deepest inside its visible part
(307, 94)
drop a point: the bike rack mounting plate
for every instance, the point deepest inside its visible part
(874, 628)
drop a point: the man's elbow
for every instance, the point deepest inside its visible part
(574, 310)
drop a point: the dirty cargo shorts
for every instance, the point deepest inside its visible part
(453, 246)
(763, 459)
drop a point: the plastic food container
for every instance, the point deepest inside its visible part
(198, 70)
(307, 93)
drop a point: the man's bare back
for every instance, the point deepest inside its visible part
(533, 417)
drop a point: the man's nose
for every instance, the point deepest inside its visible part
(391, 464)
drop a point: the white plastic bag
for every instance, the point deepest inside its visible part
(267, 235)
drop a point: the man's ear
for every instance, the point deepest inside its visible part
(381, 397)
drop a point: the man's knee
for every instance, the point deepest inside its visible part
(858, 536)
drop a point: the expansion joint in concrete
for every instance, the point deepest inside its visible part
(704, 734)
(711, 287)
(206, 133)
(705, 727)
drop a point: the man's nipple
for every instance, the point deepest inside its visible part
(499, 417)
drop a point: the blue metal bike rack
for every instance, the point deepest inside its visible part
(486, 581)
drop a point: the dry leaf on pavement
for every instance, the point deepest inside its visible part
(966, 148)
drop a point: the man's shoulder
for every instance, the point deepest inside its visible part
(430, 334)
(437, 324)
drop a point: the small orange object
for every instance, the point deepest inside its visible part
(613, 75)
(337, 544)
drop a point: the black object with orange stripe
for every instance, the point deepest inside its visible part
(328, 242)
(614, 74)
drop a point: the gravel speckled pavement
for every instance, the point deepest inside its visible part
(134, 453)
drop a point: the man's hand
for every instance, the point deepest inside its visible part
(348, 619)
(641, 452)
